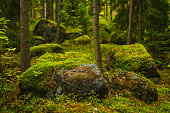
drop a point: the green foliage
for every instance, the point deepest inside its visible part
(3, 38)
(82, 40)
(154, 16)
(44, 48)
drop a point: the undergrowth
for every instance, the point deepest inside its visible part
(9, 91)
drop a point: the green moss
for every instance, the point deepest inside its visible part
(72, 63)
(130, 57)
(74, 30)
(53, 57)
(39, 38)
(44, 48)
(38, 76)
(82, 40)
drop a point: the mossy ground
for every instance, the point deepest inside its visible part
(112, 104)
(44, 48)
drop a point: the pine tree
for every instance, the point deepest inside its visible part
(96, 34)
(25, 48)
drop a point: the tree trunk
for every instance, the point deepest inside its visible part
(58, 20)
(130, 24)
(111, 10)
(106, 9)
(52, 9)
(42, 10)
(48, 9)
(140, 21)
(25, 48)
(96, 34)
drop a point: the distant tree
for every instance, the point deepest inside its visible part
(130, 23)
(111, 9)
(140, 21)
(58, 20)
(96, 34)
(42, 9)
(24, 26)
(154, 14)
(52, 10)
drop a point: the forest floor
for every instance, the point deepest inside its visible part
(10, 103)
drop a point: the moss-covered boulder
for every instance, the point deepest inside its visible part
(85, 39)
(48, 30)
(38, 79)
(71, 76)
(82, 80)
(132, 58)
(45, 48)
(56, 57)
(132, 84)
(72, 33)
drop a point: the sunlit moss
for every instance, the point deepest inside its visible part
(82, 40)
(133, 58)
(44, 48)
(71, 63)
(37, 77)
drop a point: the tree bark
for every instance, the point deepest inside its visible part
(111, 10)
(140, 21)
(98, 53)
(58, 20)
(42, 10)
(106, 10)
(51, 10)
(25, 48)
(130, 24)
(48, 9)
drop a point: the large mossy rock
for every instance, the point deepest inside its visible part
(45, 48)
(71, 76)
(132, 58)
(134, 85)
(48, 30)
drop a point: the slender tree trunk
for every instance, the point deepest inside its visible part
(52, 9)
(106, 9)
(42, 10)
(111, 10)
(140, 21)
(96, 34)
(58, 20)
(48, 9)
(45, 9)
(25, 48)
(130, 24)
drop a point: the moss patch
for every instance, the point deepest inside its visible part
(44, 48)
(133, 58)
(72, 63)
(85, 39)
(37, 77)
